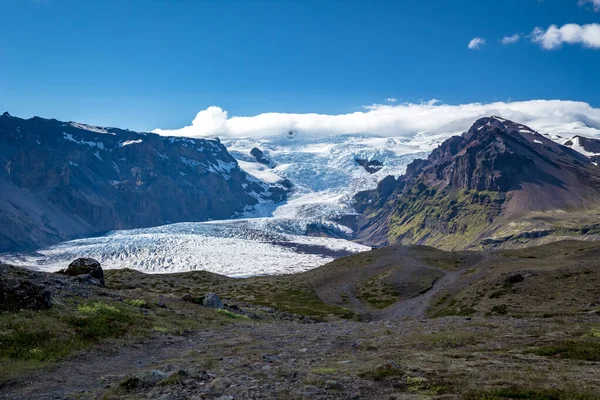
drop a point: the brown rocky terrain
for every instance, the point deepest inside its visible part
(500, 184)
(393, 323)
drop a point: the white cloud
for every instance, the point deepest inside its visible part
(554, 37)
(393, 120)
(511, 39)
(595, 3)
(476, 43)
(391, 100)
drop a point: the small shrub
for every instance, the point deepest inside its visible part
(231, 314)
(137, 303)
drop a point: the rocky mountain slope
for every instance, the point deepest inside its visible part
(60, 180)
(500, 184)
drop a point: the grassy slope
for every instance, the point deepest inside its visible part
(561, 278)
(446, 219)
(463, 219)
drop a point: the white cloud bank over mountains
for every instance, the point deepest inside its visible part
(551, 116)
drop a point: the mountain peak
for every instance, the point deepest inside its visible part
(6, 114)
(496, 122)
(497, 168)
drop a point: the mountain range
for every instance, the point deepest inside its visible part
(61, 180)
(500, 184)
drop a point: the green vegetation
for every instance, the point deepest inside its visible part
(453, 307)
(447, 219)
(32, 339)
(29, 339)
(421, 385)
(296, 300)
(137, 303)
(588, 351)
(282, 293)
(377, 292)
(231, 314)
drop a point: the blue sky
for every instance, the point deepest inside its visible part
(143, 64)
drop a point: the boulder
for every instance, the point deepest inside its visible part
(211, 300)
(23, 294)
(85, 266)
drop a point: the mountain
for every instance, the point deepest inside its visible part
(500, 184)
(60, 180)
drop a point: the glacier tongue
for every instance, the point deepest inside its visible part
(234, 248)
(272, 238)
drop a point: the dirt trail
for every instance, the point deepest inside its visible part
(94, 369)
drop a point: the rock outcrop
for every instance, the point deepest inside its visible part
(489, 186)
(211, 300)
(16, 294)
(261, 157)
(371, 166)
(61, 180)
(86, 268)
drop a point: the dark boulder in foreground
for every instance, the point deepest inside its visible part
(85, 266)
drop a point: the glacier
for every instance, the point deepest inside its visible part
(268, 238)
(309, 229)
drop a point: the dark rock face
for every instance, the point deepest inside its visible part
(261, 157)
(498, 167)
(16, 294)
(85, 266)
(60, 180)
(371, 166)
(493, 155)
